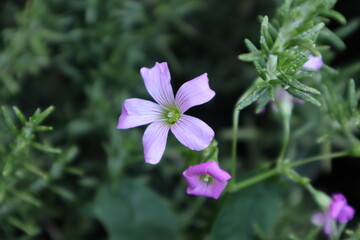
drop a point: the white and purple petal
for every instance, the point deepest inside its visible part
(194, 92)
(157, 82)
(136, 112)
(314, 63)
(154, 141)
(192, 132)
(323, 220)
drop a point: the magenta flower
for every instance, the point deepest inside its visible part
(314, 63)
(340, 210)
(206, 179)
(168, 113)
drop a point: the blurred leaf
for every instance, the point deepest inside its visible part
(131, 211)
(9, 122)
(252, 96)
(335, 15)
(253, 208)
(304, 96)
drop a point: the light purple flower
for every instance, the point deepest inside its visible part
(340, 210)
(285, 99)
(168, 112)
(314, 63)
(325, 221)
(206, 179)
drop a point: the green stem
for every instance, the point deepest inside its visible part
(272, 172)
(253, 180)
(317, 158)
(236, 115)
(286, 138)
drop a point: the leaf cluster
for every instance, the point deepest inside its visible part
(29, 168)
(285, 45)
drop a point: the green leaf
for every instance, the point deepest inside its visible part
(297, 84)
(250, 57)
(244, 212)
(304, 43)
(130, 210)
(39, 116)
(252, 96)
(250, 46)
(9, 122)
(264, 31)
(333, 38)
(264, 45)
(353, 101)
(19, 115)
(45, 148)
(311, 33)
(263, 100)
(334, 14)
(304, 96)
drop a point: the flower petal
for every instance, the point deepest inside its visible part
(314, 63)
(194, 92)
(136, 112)
(336, 207)
(192, 132)
(318, 219)
(216, 172)
(346, 214)
(157, 83)
(154, 141)
(204, 189)
(198, 169)
(328, 227)
(193, 181)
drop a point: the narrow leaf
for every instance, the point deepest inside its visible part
(251, 57)
(45, 148)
(304, 43)
(353, 101)
(19, 115)
(264, 44)
(40, 116)
(298, 85)
(264, 31)
(304, 96)
(335, 15)
(250, 46)
(251, 97)
(9, 122)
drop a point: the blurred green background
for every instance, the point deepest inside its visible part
(83, 57)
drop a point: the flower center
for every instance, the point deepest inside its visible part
(206, 178)
(172, 115)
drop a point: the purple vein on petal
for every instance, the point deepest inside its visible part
(136, 112)
(192, 132)
(157, 82)
(154, 141)
(194, 92)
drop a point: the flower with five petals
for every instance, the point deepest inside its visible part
(168, 112)
(206, 179)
